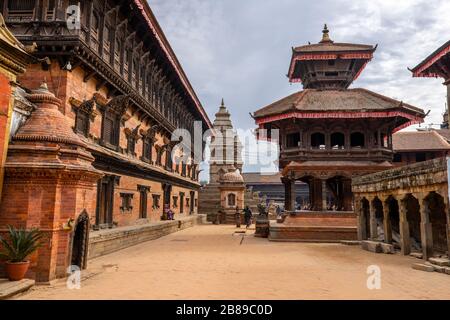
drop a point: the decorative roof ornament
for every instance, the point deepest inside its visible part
(326, 35)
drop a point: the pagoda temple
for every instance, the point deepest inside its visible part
(330, 133)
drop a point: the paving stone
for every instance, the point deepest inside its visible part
(440, 262)
(372, 246)
(423, 267)
(447, 270)
(387, 248)
(11, 288)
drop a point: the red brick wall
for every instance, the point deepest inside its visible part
(71, 85)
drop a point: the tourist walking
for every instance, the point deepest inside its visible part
(248, 217)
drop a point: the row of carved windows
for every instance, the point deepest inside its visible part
(134, 64)
(112, 115)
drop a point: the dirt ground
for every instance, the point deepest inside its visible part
(212, 262)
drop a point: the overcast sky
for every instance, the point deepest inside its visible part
(240, 49)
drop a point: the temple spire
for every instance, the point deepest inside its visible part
(326, 35)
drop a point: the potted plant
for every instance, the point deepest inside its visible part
(20, 245)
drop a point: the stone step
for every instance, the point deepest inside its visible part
(423, 267)
(372, 246)
(417, 255)
(350, 242)
(442, 262)
(9, 289)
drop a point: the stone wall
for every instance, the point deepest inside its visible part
(108, 241)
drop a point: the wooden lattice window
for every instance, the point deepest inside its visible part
(175, 201)
(95, 24)
(127, 202)
(84, 113)
(156, 201)
(82, 123)
(110, 130)
(20, 10)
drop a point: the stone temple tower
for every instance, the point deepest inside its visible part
(225, 159)
(226, 149)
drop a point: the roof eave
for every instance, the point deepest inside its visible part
(152, 22)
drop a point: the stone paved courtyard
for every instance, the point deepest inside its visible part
(211, 262)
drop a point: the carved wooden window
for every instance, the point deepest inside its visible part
(169, 160)
(117, 53)
(95, 24)
(147, 150)
(134, 76)
(127, 202)
(107, 42)
(183, 169)
(132, 138)
(83, 117)
(112, 115)
(175, 201)
(131, 145)
(20, 10)
(126, 61)
(110, 127)
(82, 123)
(156, 201)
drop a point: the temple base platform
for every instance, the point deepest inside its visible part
(315, 226)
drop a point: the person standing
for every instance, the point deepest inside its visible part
(248, 216)
(238, 217)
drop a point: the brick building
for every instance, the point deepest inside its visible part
(117, 85)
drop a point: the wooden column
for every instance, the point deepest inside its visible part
(324, 194)
(292, 195)
(405, 240)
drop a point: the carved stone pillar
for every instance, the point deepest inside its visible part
(360, 218)
(287, 193)
(373, 220)
(426, 231)
(405, 240)
(387, 223)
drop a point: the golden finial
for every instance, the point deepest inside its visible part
(326, 35)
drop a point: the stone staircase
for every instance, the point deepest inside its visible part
(209, 201)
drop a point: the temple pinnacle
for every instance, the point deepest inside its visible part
(326, 35)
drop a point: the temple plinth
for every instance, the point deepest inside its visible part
(331, 133)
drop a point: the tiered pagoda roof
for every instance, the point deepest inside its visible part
(350, 103)
(328, 64)
(326, 70)
(436, 64)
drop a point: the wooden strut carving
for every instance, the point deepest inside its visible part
(119, 104)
